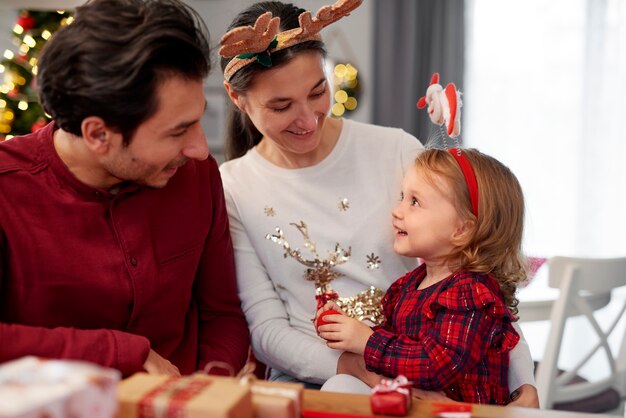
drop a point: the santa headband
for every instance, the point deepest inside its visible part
(444, 107)
(248, 44)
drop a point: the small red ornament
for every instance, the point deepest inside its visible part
(321, 321)
(26, 21)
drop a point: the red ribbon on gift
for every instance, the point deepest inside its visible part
(391, 397)
(168, 400)
(452, 410)
(310, 413)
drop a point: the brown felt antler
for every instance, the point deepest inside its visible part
(246, 39)
(251, 40)
(325, 16)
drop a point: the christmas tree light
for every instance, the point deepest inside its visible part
(20, 112)
(346, 87)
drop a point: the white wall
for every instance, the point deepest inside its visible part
(7, 21)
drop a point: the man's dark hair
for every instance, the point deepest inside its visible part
(111, 59)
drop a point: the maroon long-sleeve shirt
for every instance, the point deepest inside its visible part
(85, 274)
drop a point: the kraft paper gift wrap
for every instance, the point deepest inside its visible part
(276, 399)
(269, 399)
(156, 396)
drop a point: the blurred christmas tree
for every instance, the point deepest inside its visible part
(20, 112)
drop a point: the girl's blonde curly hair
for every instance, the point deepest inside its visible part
(493, 244)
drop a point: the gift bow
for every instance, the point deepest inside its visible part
(399, 384)
(391, 397)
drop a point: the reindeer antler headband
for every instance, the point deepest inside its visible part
(248, 44)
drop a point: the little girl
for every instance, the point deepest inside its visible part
(448, 322)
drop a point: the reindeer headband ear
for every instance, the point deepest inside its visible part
(248, 44)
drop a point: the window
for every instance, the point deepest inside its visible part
(545, 93)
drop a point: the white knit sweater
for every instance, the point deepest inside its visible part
(345, 199)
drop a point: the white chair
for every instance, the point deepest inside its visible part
(562, 387)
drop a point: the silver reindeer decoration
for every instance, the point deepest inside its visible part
(364, 306)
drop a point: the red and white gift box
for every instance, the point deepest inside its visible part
(391, 397)
(32, 387)
(196, 396)
(269, 399)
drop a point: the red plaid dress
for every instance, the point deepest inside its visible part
(453, 336)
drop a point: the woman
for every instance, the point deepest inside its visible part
(309, 197)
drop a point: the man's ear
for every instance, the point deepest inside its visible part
(96, 134)
(234, 96)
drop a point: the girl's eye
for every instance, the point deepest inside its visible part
(401, 196)
(414, 202)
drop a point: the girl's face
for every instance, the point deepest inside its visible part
(289, 104)
(425, 221)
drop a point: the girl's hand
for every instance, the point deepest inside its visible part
(329, 306)
(345, 333)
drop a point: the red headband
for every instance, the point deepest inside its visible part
(470, 177)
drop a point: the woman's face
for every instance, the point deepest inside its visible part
(289, 104)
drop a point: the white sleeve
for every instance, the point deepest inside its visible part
(521, 367)
(275, 342)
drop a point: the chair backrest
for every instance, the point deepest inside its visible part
(577, 279)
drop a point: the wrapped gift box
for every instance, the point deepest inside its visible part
(270, 399)
(32, 387)
(143, 395)
(276, 399)
(391, 397)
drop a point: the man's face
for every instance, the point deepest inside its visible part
(166, 141)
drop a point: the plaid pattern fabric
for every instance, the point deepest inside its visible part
(453, 336)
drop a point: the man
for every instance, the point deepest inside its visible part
(114, 238)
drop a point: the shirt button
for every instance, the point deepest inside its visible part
(133, 261)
